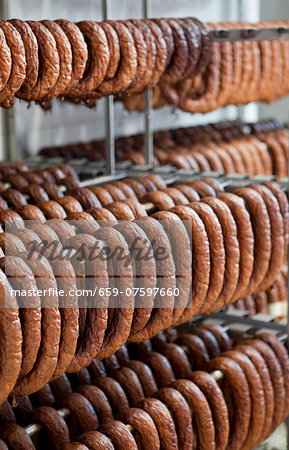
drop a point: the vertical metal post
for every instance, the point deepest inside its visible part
(288, 291)
(9, 142)
(287, 419)
(148, 102)
(109, 115)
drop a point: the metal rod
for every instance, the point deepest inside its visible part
(103, 179)
(35, 428)
(250, 34)
(148, 100)
(109, 115)
(245, 319)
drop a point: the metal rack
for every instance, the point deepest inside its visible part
(250, 34)
(221, 35)
(245, 325)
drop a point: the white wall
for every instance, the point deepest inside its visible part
(277, 10)
(68, 123)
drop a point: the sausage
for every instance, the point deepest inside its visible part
(80, 377)
(177, 358)
(53, 191)
(151, 54)
(128, 62)
(79, 446)
(161, 368)
(99, 402)
(200, 259)
(121, 309)
(209, 387)
(165, 269)
(246, 242)
(282, 356)
(283, 205)
(257, 397)
(157, 179)
(182, 254)
(70, 204)
(122, 355)
(31, 212)
(61, 387)
(23, 410)
(114, 49)
(121, 211)
(144, 429)
(48, 63)
(160, 199)
(262, 236)
(52, 210)
(93, 440)
(119, 434)
(65, 59)
(277, 236)
(68, 307)
(145, 376)
(10, 220)
(220, 334)
(232, 250)
(46, 361)
(137, 82)
(217, 251)
(202, 413)
(163, 422)
(148, 184)
(95, 72)
(30, 317)
(181, 414)
(136, 186)
(275, 371)
(79, 52)
(116, 193)
(115, 394)
(62, 228)
(168, 37)
(103, 216)
(54, 425)
(96, 277)
(137, 208)
(18, 68)
(241, 394)
(263, 371)
(102, 194)
(161, 52)
(83, 417)
(130, 383)
(49, 240)
(86, 197)
(144, 273)
(11, 244)
(189, 192)
(210, 342)
(14, 198)
(176, 69)
(7, 60)
(16, 437)
(6, 413)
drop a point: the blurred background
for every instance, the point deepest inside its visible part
(67, 123)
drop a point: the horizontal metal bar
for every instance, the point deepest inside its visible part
(250, 34)
(103, 179)
(243, 318)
